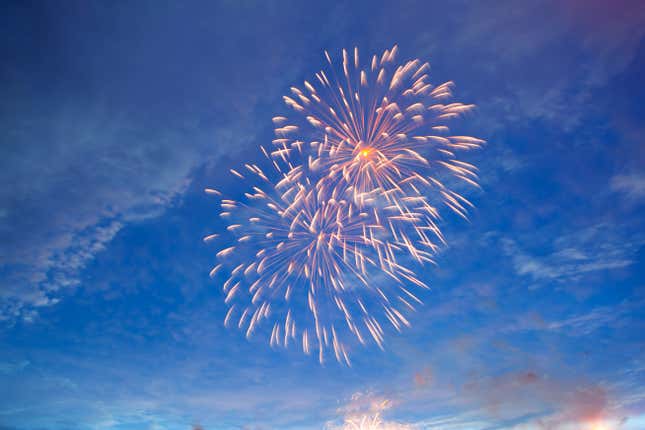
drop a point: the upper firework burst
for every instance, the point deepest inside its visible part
(378, 129)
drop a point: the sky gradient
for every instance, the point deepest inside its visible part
(116, 115)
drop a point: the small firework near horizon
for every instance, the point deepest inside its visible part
(326, 242)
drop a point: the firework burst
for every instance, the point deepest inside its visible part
(379, 136)
(325, 244)
(290, 247)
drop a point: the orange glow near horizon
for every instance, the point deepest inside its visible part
(600, 426)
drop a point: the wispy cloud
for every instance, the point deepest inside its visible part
(12, 367)
(631, 185)
(572, 255)
(75, 177)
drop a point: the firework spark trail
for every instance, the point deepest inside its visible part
(373, 422)
(364, 423)
(349, 201)
(368, 416)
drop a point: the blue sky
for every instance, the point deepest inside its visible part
(116, 115)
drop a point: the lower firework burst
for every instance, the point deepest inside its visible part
(313, 269)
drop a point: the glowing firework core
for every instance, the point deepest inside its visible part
(365, 152)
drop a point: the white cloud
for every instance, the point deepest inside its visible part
(595, 248)
(632, 185)
(583, 324)
(75, 176)
(12, 367)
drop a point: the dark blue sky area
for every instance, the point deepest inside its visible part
(114, 117)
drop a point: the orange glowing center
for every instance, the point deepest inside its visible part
(366, 152)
